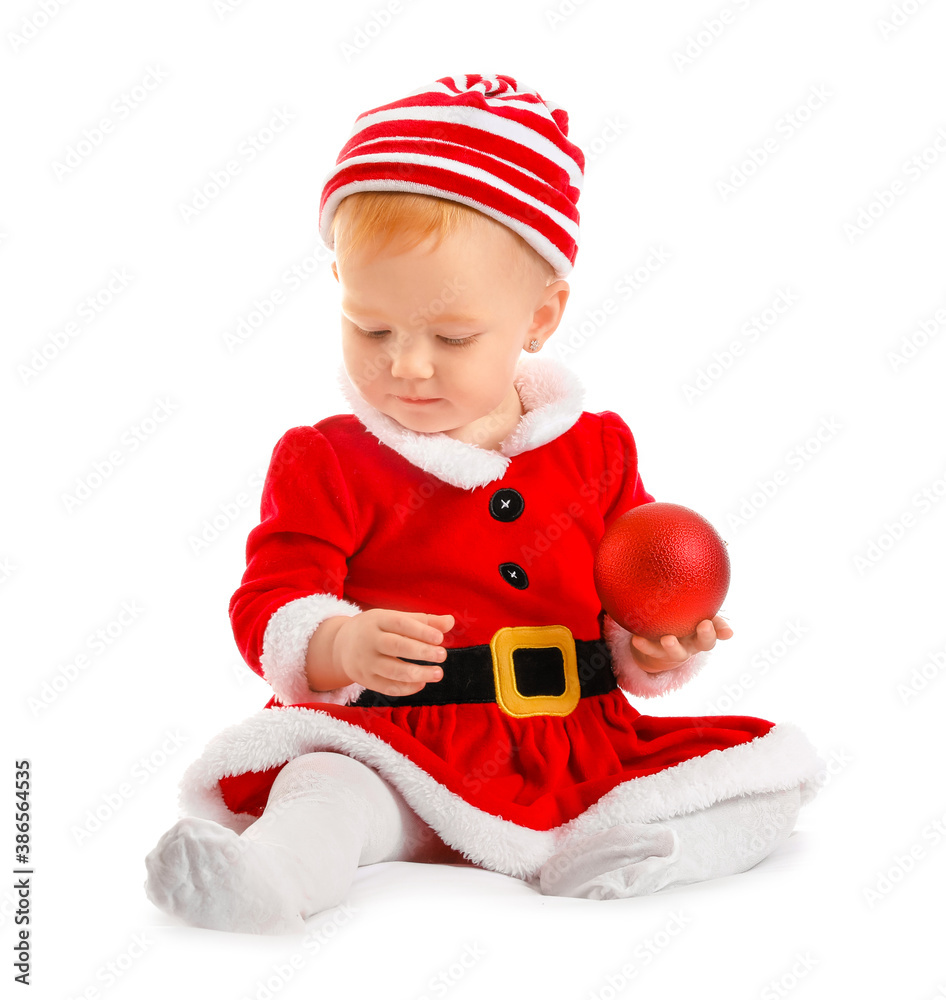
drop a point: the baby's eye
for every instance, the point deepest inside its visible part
(452, 341)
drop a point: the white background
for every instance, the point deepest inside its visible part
(829, 553)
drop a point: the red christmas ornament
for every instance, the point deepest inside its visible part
(661, 569)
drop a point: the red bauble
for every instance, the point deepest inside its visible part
(661, 569)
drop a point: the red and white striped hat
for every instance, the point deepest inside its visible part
(485, 141)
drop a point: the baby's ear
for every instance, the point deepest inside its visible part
(334, 270)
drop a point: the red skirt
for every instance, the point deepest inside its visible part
(538, 772)
(507, 792)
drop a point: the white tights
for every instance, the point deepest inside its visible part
(328, 813)
(637, 859)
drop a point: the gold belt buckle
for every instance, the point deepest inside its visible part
(508, 696)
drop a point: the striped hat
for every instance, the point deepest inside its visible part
(485, 141)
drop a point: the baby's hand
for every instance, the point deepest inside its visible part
(670, 651)
(367, 647)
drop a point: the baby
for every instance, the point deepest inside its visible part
(419, 591)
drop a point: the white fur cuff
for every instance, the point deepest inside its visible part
(639, 682)
(286, 643)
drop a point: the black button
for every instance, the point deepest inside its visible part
(513, 573)
(506, 504)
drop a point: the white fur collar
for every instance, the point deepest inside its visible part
(551, 396)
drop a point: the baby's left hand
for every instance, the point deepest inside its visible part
(670, 651)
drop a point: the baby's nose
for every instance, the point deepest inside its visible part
(411, 360)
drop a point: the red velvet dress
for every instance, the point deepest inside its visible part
(349, 522)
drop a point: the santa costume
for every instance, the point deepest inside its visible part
(532, 740)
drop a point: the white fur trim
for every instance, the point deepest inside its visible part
(286, 642)
(637, 681)
(550, 393)
(783, 758)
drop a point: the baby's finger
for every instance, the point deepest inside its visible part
(428, 628)
(723, 629)
(671, 647)
(705, 636)
(647, 646)
(393, 645)
(393, 689)
(668, 648)
(399, 677)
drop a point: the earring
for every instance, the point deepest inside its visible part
(534, 346)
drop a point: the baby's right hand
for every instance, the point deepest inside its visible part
(367, 647)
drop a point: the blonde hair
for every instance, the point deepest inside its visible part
(403, 220)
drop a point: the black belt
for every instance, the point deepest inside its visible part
(526, 670)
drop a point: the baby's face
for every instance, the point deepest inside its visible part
(446, 326)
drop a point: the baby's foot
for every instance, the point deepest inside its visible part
(209, 876)
(622, 861)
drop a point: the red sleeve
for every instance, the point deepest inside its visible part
(299, 549)
(622, 485)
